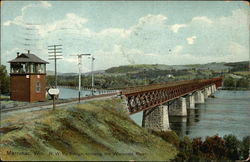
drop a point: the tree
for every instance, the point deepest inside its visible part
(244, 147)
(4, 80)
(243, 83)
(232, 147)
(214, 147)
(229, 82)
(185, 148)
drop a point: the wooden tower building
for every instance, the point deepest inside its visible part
(27, 78)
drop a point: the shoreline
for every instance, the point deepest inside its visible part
(233, 89)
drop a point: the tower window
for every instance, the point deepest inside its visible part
(38, 86)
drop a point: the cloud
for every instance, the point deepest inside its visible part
(178, 49)
(191, 40)
(45, 4)
(149, 40)
(19, 20)
(149, 22)
(71, 21)
(152, 19)
(175, 28)
(237, 51)
(202, 19)
(10, 54)
(114, 31)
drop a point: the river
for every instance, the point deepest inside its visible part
(66, 93)
(227, 113)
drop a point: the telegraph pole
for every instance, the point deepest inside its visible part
(55, 56)
(79, 56)
(92, 74)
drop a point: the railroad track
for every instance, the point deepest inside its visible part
(59, 103)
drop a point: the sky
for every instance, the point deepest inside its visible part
(126, 32)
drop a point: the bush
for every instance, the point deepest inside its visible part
(232, 147)
(229, 82)
(244, 147)
(4, 80)
(214, 147)
(185, 148)
(243, 83)
(196, 146)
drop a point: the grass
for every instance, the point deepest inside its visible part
(243, 73)
(96, 130)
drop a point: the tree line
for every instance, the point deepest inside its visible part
(122, 80)
(231, 82)
(228, 147)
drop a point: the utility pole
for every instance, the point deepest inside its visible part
(55, 56)
(79, 56)
(92, 74)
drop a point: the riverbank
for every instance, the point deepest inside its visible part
(234, 88)
(96, 130)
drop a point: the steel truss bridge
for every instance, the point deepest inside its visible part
(146, 97)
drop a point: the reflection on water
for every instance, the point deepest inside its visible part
(178, 124)
(182, 125)
(227, 113)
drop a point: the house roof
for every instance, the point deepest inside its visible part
(23, 58)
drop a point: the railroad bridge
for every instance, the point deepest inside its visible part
(158, 101)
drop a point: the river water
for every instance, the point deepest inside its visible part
(227, 113)
(66, 93)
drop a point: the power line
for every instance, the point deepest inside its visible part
(79, 56)
(92, 74)
(26, 35)
(55, 57)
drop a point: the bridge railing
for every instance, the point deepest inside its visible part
(146, 97)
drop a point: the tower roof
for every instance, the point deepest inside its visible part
(27, 57)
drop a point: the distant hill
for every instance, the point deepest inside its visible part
(211, 66)
(50, 72)
(139, 68)
(95, 72)
(237, 66)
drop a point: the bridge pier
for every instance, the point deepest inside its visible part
(156, 118)
(213, 88)
(204, 91)
(199, 97)
(209, 91)
(190, 102)
(178, 107)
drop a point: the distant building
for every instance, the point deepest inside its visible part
(27, 78)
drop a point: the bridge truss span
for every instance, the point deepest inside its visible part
(146, 97)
